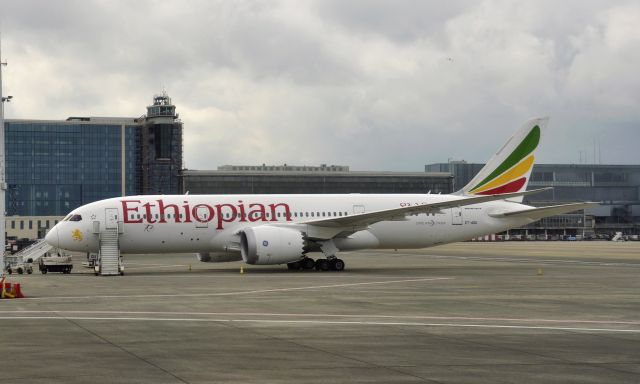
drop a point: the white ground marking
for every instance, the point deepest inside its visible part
(127, 267)
(237, 293)
(526, 260)
(321, 315)
(324, 322)
(262, 274)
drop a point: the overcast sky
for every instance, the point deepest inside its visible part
(376, 85)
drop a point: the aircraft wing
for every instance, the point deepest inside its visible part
(400, 214)
(539, 213)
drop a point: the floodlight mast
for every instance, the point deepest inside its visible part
(3, 184)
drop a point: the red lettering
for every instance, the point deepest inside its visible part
(287, 212)
(162, 208)
(221, 215)
(126, 210)
(198, 216)
(187, 212)
(147, 208)
(204, 213)
(261, 214)
(243, 216)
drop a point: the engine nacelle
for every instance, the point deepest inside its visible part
(218, 257)
(266, 244)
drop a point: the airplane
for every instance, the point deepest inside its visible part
(288, 229)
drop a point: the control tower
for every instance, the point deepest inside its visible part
(162, 108)
(161, 142)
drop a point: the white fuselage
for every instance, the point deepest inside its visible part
(211, 223)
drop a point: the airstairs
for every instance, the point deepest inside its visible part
(32, 253)
(109, 255)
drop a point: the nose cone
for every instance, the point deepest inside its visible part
(52, 237)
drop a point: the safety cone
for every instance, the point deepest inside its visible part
(540, 272)
(241, 270)
(9, 290)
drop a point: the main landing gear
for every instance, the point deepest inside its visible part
(331, 264)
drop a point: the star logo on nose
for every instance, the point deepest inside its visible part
(76, 235)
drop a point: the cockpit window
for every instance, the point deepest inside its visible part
(66, 218)
(75, 218)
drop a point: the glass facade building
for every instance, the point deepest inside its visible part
(55, 166)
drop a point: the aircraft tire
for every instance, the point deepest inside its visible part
(337, 265)
(322, 265)
(308, 263)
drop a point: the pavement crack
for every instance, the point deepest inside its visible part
(389, 368)
(123, 349)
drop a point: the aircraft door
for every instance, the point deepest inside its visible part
(456, 216)
(111, 218)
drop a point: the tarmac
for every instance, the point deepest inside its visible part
(526, 312)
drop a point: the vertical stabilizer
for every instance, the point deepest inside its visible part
(509, 169)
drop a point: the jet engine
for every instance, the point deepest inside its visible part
(267, 244)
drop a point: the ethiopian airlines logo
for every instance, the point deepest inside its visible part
(158, 211)
(76, 235)
(511, 175)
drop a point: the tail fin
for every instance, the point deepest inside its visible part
(509, 169)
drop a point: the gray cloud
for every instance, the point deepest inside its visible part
(376, 85)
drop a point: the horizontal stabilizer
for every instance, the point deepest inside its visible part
(539, 213)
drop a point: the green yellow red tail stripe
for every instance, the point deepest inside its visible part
(510, 175)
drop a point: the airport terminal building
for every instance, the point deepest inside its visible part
(617, 187)
(282, 179)
(54, 166)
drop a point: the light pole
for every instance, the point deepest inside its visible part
(3, 184)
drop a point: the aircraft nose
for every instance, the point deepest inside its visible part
(52, 237)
